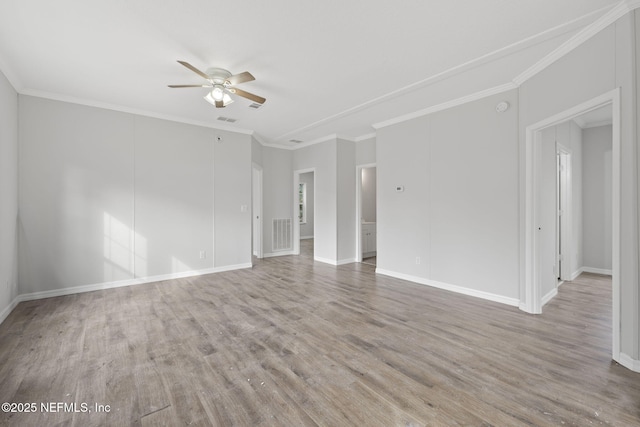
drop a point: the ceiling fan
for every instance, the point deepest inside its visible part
(222, 83)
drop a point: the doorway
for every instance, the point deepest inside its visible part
(535, 230)
(366, 214)
(564, 216)
(304, 212)
(256, 210)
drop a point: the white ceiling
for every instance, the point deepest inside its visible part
(325, 67)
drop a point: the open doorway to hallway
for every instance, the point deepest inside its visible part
(306, 212)
(367, 217)
(576, 201)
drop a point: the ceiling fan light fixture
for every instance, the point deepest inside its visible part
(217, 93)
(211, 98)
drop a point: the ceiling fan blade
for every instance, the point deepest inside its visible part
(180, 86)
(219, 104)
(242, 93)
(240, 78)
(194, 69)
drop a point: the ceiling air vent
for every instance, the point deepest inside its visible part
(255, 105)
(227, 119)
(295, 141)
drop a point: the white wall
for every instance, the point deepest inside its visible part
(277, 192)
(547, 211)
(8, 196)
(108, 196)
(576, 196)
(458, 212)
(322, 157)
(346, 201)
(306, 230)
(597, 197)
(368, 176)
(173, 197)
(366, 151)
(76, 195)
(256, 152)
(232, 199)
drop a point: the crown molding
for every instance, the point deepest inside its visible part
(476, 62)
(11, 77)
(582, 36)
(122, 109)
(365, 137)
(259, 138)
(446, 105)
(607, 122)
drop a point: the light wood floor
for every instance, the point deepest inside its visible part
(293, 343)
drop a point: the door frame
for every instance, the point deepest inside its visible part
(564, 222)
(296, 223)
(531, 298)
(256, 171)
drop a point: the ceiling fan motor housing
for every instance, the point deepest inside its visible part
(219, 75)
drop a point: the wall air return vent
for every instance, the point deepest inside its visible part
(281, 235)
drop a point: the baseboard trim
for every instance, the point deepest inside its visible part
(346, 261)
(325, 260)
(116, 284)
(453, 288)
(281, 253)
(629, 362)
(549, 296)
(306, 237)
(597, 271)
(576, 273)
(8, 309)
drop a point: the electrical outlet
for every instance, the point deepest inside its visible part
(417, 260)
(203, 254)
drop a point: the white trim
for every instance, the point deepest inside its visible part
(606, 122)
(333, 261)
(8, 309)
(603, 271)
(549, 296)
(492, 56)
(12, 77)
(531, 300)
(576, 273)
(453, 288)
(325, 260)
(582, 36)
(446, 105)
(275, 254)
(371, 135)
(330, 137)
(116, 284)
(306, 237)
(629, 362)
(123, 109)
(257, 211)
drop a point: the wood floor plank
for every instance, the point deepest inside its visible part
(296, 342)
